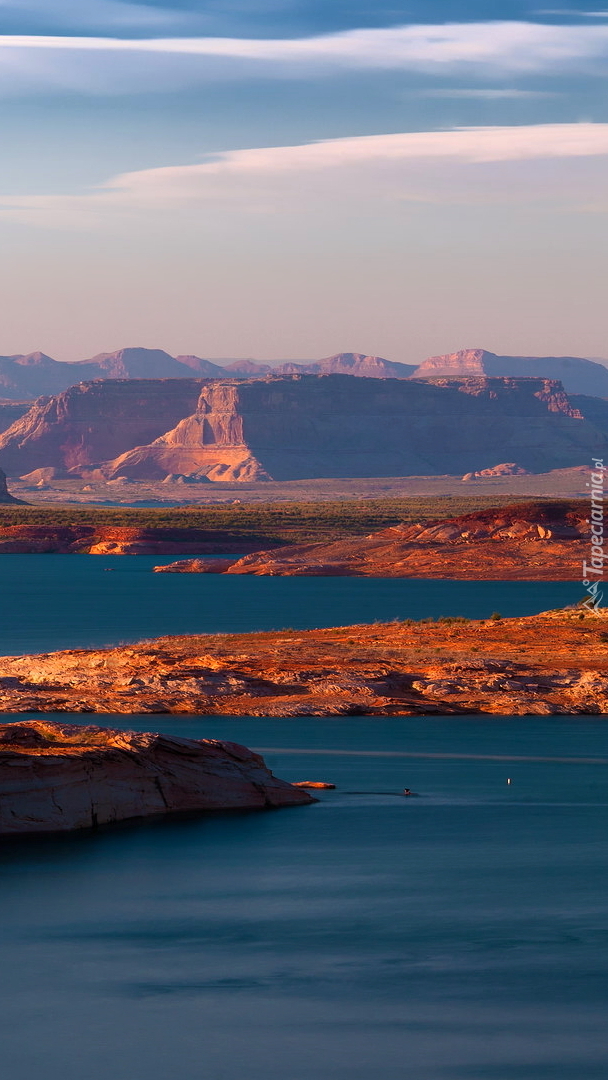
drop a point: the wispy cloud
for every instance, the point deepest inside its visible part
(484, 164)
(95, 14)
(485, 92)
(104, 64)
(570, 12)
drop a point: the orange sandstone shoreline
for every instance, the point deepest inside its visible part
(548, 664)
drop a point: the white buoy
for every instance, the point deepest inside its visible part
(509, 780)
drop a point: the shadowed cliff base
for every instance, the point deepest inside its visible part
(5, 496)
(555, 663)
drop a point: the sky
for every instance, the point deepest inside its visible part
(294, 178)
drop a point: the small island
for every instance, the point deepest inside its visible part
(57, 777)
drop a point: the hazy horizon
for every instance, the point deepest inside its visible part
(277, 360)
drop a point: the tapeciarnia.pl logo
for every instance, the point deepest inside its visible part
(593, 570)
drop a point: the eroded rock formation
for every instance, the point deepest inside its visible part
(313, 426)
(94, 421)
(535, 541)
(57, 777)
(118, 540)
(293, 427)
(554, 663)
(507, 468)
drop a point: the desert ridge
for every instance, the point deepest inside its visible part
(554, 663)
(531, 541)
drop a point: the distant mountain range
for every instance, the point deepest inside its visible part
(290, 427)
(577, 375)
(26, 377)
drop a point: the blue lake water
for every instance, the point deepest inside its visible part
(460, 935)
(63, 601)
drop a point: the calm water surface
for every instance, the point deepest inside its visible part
(458, 936)
(65, 601)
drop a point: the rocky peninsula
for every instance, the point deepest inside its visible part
(532, 541)
(552, 663)
(56, 777)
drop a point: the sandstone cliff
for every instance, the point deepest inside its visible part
(550, 664)
(56, 777)
(537, 541)
(300, 427)
(94, 421)
(577, 375)
(311, 426)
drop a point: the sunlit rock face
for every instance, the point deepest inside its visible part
(534, 541)
(295, 427)
(57, 777)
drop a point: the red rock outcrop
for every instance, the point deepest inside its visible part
(549, 664)
(537, 541)
(577, 375)
(57, 777)
(507, 468)
(312, 426)
(95, 421)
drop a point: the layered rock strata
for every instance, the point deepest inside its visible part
(314, 426)
(117, 540)
(299, 427)
(56, 777)
(94, 421)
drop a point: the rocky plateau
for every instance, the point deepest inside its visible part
(298, 427)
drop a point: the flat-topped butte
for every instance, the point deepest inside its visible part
(552, 663)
